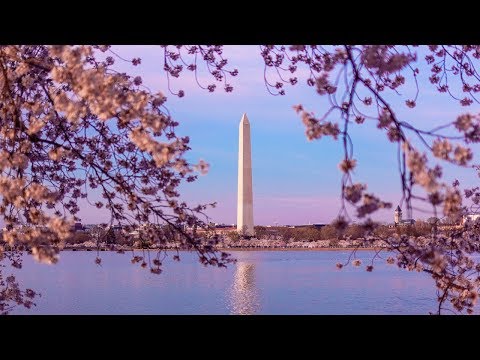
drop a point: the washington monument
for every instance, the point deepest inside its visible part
(245, 188)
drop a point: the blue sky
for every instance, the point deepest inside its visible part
(295, 181)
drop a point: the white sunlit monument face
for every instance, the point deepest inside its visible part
(245, 187)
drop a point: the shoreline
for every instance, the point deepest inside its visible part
(300, 249)
(240, 249)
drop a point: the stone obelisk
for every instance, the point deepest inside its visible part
(245, 188)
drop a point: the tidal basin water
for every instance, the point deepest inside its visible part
(261, 282)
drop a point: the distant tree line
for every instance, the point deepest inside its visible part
(330, 232)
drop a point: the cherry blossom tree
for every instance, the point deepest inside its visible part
(72, 126)
(360, 83)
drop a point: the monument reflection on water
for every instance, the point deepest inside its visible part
(244, 297)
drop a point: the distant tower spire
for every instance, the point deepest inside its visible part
(398, 215)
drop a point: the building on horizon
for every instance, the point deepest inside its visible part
(471, 216)
(77, 227)
(397, 218)
(315, 225)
